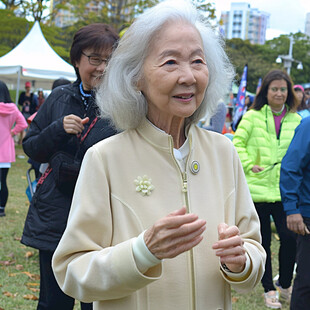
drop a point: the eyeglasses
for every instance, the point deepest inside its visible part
(276, 89)
(95, 60)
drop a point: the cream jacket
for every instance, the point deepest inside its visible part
(94, 260)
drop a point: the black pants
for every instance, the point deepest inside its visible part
(301, 289)
(51, 296)
(287, 251)
(4, 192)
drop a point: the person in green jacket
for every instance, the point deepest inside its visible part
(261, 140)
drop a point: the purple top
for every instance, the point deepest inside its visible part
(277, 120)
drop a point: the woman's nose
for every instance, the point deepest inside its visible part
(187, 75)
(101, 67)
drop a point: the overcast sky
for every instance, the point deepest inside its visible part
(286, 16)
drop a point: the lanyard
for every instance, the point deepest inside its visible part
(82, 138)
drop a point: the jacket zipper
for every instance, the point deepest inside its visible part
(191, 253)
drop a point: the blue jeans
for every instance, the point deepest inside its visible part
(301, 289)
(287, 250)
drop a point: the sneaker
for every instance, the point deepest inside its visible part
(2, 213)
(285, 293)
(272, 300)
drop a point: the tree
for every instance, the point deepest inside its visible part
(242, 52)
(34, 9)
(205, 7)
(11, 5)
(113, 12)
(14, 29)
(280, 46)
(261, 58)
(118, 13)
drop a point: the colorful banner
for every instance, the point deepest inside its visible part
(240, 102)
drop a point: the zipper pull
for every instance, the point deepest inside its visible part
(184, 188)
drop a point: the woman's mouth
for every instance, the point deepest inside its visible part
(184, 96)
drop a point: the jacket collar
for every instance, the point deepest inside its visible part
(159, 138)
(268, 108)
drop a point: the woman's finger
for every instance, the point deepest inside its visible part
(228, 243)
(174, 233)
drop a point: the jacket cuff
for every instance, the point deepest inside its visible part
(142, 255)
(237, 276)
(290, 207)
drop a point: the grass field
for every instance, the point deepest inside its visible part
(19, 265)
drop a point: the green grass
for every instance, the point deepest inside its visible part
(19, 265)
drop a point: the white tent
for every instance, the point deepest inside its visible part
(34, 60)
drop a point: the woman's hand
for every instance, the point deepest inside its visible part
(257, 168)
(230, 248)
(74, 124)
(174, 234)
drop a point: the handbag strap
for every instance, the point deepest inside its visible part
(82, 138)
(44, 175)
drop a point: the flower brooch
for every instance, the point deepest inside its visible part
(144, 185)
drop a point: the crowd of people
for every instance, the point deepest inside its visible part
(141, 201)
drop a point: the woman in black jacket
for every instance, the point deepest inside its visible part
(64, 128)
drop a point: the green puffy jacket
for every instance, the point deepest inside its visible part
(257, 144)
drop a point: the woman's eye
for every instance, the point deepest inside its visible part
(198, 61)
(170, 62)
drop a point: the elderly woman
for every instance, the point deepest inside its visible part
(64, 128)
(262, 139)
(161, 216)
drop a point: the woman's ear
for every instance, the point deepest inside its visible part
(139, 85)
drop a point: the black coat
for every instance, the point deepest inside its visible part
(49, 209)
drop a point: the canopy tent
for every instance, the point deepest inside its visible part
(34, 60)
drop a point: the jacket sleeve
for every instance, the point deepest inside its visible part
(20, 123)
(46, 134)
(21, 98)
(241, 138)
(246, 219)
(86, 264)
(296, 159)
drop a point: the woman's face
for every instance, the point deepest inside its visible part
(277, 94)
(91, 74)
(175, 74)
(299, 94)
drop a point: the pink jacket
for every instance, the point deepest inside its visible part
(9, 114)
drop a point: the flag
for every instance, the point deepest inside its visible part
(240, 102)
(259, 84)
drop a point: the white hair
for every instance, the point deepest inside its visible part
(118, 97)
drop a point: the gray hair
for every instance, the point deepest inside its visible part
(118, 97)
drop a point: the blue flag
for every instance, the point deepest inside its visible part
(240, 102)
